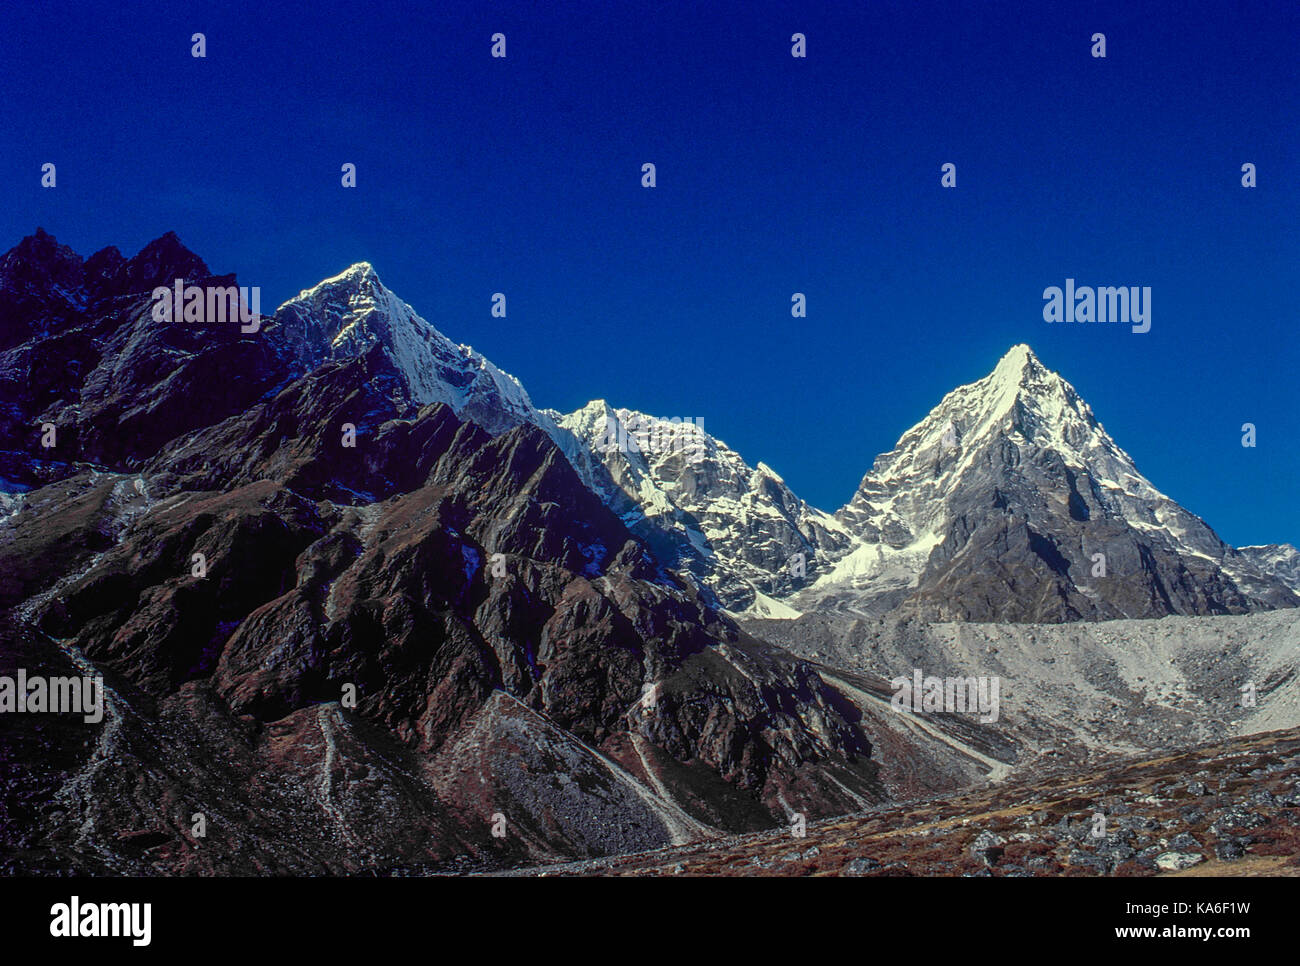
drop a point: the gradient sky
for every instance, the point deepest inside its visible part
(776, 176)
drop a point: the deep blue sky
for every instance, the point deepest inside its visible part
(776, 176)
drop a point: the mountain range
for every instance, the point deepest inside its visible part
(342, 574)
(993, 507)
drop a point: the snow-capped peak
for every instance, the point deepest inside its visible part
(700, 505)
(358, 273)
(1020, 399)
(1015, 360)
(1021, 403)
(346, 315)
(1021, 449)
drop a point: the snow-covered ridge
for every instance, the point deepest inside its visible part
(1019, 441)
(736, 527)
(1280, 560)
(695, 500)
(348, 314)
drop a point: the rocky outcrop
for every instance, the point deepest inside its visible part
(1279, 560)
(81, 352)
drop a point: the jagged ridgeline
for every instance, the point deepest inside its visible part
(352, 602)
(358, 601)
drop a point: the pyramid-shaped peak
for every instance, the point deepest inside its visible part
(168, 245)
(1018, 371)
(1017, 359)
(162, 260)
(1020, 396)
(362, 269)
(357, 273)
(359, 277)
(349, 314)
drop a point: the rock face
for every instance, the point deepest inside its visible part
(352, 626)
(1005, 502)
(735, 527)
(80, 351)
(1280, 560)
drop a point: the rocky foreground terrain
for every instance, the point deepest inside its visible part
(1227, 808)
